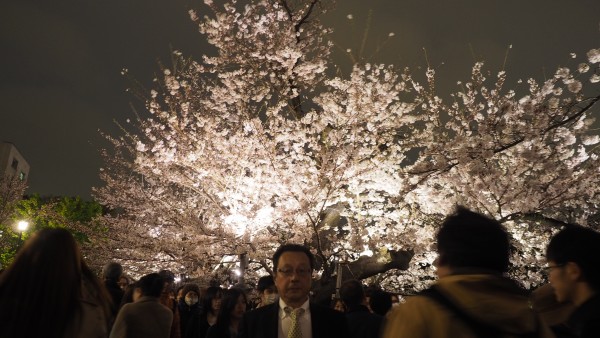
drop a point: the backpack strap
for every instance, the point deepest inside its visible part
(480, 329)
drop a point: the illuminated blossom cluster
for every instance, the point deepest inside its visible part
(260, 145)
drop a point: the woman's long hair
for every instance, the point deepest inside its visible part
(41, 289)
(211, 293)
(228, 303)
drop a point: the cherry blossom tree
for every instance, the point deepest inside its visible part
(263, 144)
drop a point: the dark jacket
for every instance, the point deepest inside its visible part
(362, 323)
(264, 322)
(197, 327)
(585, 320)
(216, 331)
(189, 319)
(116, 295)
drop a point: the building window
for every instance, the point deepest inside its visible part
(15, 163)
(22, 176)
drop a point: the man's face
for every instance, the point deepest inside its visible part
(293, 278)
(560, 281)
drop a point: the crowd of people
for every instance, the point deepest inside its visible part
(49, 291)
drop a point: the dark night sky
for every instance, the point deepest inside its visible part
(61, 60)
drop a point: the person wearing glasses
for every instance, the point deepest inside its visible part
(473, 296)
(573, 256)
(294, 315)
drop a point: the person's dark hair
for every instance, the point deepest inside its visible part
(352, 292)
(167, 275)
(151, 285)
(112, 271)
(293, 248)
(228, 303)
(380, 302)
(191, 287)
(467, 239)
(264, 283)
(44, 284)
(579, 245)
(210, 294)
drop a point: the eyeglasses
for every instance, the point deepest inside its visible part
(289, 272)
(549, 268)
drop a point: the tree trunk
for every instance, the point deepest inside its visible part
(362, 268)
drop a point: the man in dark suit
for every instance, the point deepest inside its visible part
(293, 316)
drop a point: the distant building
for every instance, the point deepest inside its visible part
(12, 163)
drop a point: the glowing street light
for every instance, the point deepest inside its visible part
(22, 226)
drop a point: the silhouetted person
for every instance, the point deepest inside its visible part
(380, 302)
(361, 322)
(573, 257)
(472, 298)
(111, 274)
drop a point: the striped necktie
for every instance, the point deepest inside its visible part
(295, 314)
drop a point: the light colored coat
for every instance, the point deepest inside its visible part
(490, 299)
(145, 318)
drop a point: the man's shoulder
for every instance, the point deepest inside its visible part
(262, 311)
(150, 303)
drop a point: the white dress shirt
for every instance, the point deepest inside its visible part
(285, 321)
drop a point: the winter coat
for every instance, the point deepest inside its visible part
(189, 319)
(489, 299)
(146, 317)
